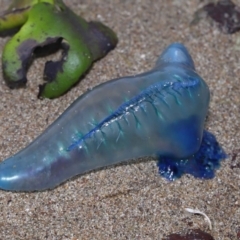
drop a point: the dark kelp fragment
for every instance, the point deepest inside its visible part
(238, 234)
(82, 44)
(195, 234)
(234, 162)
(225, 13)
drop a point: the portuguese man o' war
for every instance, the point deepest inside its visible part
(159, 113)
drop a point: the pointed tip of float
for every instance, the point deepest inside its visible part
(176, 53)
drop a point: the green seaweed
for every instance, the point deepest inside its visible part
(82, 43)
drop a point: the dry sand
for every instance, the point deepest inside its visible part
(130, 201)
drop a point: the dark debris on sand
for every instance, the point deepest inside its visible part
(195, 234)
(225, 13)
